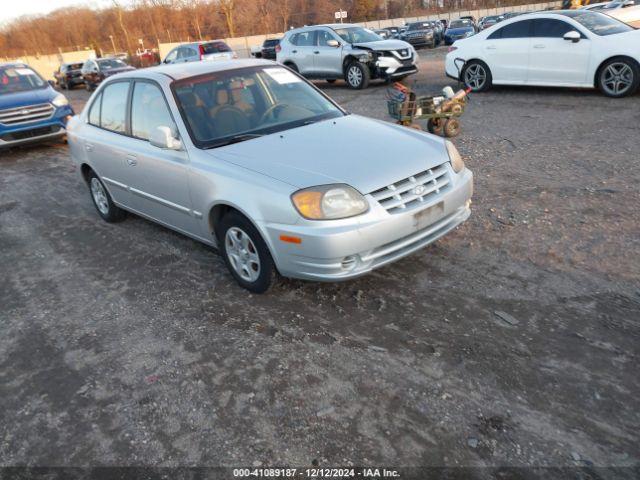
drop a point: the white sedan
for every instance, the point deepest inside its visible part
(565, 48)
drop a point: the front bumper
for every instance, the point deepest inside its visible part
(391, 67)
(420, 41)
(36, 132)
(351, 248)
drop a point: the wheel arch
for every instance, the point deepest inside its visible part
(85, 171)
(613, 57)
(218, 210)
(346, 61)
(291, 63)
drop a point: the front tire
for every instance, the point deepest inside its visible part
(618, 77)
(477, 76)
(102, 201)
(245, 253)
(357, 75)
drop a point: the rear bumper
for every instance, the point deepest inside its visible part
(353, 247)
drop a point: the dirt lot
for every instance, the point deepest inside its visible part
(513, 341)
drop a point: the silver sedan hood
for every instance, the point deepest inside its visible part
(384, 45)
(364, 153)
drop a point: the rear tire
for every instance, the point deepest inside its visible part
(476, 76)
(357, 75)
(618, 77)
(102, 200)
(435, 125)
(245, 253)
(451, 127)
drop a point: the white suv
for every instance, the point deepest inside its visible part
(346, 51)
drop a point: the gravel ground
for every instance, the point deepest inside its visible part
(513, 341)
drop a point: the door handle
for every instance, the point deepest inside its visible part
(491, 47)
(538, 46)
(132, 160)
(88, 147)
(316, 52)
(294, 51)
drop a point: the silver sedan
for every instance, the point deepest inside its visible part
(249, 157)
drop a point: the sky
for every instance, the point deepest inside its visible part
(11, 9)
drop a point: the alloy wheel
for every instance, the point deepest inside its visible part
(475, 76)
(354, 75)
(617, 78)
(242, 254)
(99, 196)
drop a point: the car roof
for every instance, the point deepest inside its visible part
(179, 71)
(13, 64)
(327, 25)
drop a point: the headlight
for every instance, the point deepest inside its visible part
(469, 34)
(454, 157)
(60, 101)
(329, 202)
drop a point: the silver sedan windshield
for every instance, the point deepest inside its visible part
(229, 106)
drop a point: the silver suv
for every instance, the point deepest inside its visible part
(197, 51)
(346, 51)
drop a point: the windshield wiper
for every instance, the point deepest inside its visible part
(235, 139)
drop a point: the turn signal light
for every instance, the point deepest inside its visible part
(290, 239)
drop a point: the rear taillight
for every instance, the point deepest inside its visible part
(201, 50)
(452, 48)
(278, 48)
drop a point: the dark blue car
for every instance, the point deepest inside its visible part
(458, 29)
(30, 109)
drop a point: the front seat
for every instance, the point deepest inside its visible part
(199, 120)
(228, 119)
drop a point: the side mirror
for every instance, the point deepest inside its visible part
(333, 43)
(572, 36)
(162, 137)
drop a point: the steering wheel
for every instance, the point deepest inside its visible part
(271, 111)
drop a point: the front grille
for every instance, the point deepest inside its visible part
(414, 191)
(31, 113)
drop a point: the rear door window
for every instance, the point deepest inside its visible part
(114, 107)
(304, 39)
(521, 29)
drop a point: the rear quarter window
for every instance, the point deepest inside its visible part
(215, 47)
(94, 113)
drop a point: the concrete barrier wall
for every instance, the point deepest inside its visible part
(244, 45)
(45, 65)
